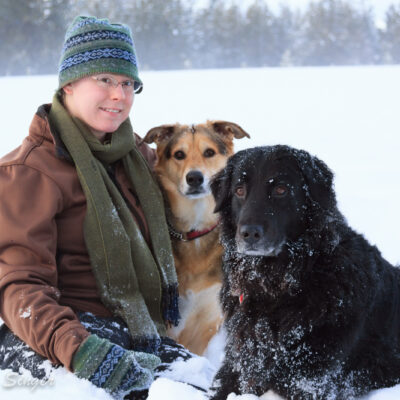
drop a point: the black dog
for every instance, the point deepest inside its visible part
(312, 309)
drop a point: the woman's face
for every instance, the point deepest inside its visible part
(102, 107)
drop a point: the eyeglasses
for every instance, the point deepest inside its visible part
(107, 82)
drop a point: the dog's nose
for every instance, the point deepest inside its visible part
(251, 234)
(194, 178)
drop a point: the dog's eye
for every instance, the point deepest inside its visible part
(240, 191)
(209, 153)
(279, 190)
(179, 155)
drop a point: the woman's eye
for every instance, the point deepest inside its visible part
(179, 155)
(106, 80)
(209, 153)
(280, 190)
(127, 84)
(240, 191)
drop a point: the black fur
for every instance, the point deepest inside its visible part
(320, 311)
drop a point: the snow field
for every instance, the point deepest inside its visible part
(347, 116)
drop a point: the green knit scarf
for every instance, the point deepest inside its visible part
(134, 282)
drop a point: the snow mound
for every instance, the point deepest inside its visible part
(166, 389)
(196, 371)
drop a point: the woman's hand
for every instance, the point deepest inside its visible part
(113, 368)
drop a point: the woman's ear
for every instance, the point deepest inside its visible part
(67, 88)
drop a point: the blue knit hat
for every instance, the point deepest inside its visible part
(94, 46)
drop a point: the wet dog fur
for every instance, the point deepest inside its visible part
(312, 310)
(187, 158)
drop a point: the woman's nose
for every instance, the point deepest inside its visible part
(118, 92)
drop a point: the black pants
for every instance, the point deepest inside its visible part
(14, 353)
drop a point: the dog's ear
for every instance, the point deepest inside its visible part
(228, 129)
(159, 134)
(319, 179)
(220, 187)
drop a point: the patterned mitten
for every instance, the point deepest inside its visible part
(113, 368)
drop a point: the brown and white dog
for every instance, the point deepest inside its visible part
(188, 156)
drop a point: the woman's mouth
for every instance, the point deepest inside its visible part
(111, 110)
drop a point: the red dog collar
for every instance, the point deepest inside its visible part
(195, 234)
(188, 236)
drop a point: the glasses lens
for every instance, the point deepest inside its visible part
(104, 81)
(128, 85)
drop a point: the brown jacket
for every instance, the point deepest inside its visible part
(45, 271)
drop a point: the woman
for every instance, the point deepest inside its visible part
(87, 277)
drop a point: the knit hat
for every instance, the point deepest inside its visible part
(94, 46)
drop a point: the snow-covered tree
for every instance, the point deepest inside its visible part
(391, 35)
(336, 32)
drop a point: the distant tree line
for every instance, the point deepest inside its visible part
(173, 34)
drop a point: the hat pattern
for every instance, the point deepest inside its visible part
(95, 45)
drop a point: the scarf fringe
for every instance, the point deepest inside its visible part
(146, 344)
(170, 305)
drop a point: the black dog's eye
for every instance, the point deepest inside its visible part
(240, 191)
(279, 190)
(179, 155)
(209, 153)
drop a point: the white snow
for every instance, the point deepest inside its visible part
(347, 116)
(25, 313)
(196, 371)
(62, 386)
(166, 389)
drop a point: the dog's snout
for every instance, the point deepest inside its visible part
(251, 234)
(194, 178)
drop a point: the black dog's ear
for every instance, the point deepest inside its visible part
(159, 134)
(319, 179)
(220, 187)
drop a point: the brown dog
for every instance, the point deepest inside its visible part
(188, 156)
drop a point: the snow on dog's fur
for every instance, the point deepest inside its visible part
(312, 309)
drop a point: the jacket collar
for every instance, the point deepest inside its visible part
(41, 129)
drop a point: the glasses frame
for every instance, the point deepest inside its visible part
(113, 83)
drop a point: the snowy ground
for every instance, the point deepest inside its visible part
(346, 116)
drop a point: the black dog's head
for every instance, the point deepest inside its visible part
(267, 195)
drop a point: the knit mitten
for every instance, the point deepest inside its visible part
(113, 368)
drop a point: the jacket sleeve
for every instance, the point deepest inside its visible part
(29, 203)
